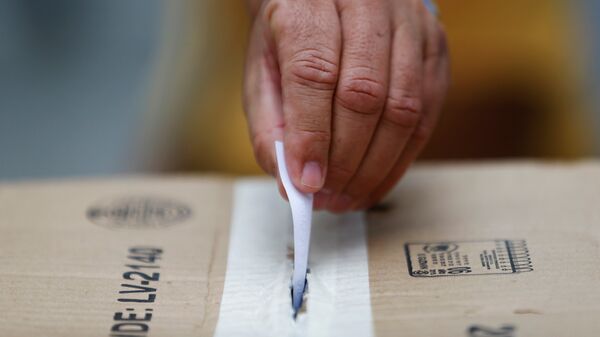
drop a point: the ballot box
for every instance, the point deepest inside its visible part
(499, 249)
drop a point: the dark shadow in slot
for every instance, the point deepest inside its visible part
(302, 308)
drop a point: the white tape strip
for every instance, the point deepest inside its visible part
(256, 296)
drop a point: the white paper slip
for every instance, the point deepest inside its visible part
(302, 207)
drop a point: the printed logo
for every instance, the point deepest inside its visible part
(441, 247)
(467, 258)
(138, 212)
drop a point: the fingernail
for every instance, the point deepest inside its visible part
(311, 175)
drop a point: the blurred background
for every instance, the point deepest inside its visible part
(92, 87)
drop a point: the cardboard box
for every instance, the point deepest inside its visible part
(509, 249)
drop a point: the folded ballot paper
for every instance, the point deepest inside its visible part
(457, 250)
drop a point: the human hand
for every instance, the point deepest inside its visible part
(353, 87)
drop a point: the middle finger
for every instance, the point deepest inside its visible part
(361, 90)
(402, 112)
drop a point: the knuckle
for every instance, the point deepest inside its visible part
(308, 133)
(277, 15)
(361, 95)
(404, 112)
(314, 68)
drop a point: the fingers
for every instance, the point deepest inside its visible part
(308, 43)
(385, 90)
(361, 91)
(262, 98)
(436, 81)
(400, 116)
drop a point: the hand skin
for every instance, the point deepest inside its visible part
(353, 87)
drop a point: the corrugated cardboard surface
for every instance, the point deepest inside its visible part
(66, 248)
(554, 208)
(61, 274)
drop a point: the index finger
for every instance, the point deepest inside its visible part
(308, 43)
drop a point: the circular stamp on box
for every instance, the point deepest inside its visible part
(138, 212)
